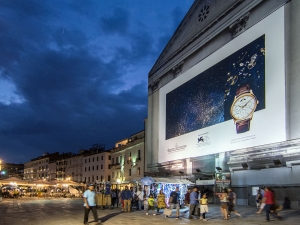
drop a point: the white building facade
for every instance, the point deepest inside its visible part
(128, 164)
(222, 98)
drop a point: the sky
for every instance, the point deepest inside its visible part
(74, 73)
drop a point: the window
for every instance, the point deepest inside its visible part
(102, 157)
(93, 159)
(129, 172)
(85, 169)
(89, 160)
(129, 154)
(109, 157)
(93, 167)
(97, 177)
(97, 160)
(89, 169)
(92, 178)
(139, 154)
(89, 179)
(101, 166)
(85, 160)
(113, 161)
(84, 179)
(117, 160)
(139, 170)
(101, 178)
(109, 166)
(112, 174)
(120, 159)
(97, 169)
(108, 178)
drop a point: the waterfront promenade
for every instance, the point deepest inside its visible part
(66, 211)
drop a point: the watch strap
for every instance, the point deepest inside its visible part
(242, 126)
(242, 89)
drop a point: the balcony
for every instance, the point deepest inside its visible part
(116, 166)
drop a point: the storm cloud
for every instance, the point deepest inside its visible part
(74, 73)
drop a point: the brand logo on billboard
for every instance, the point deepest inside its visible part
(177, 148)
(203, 140)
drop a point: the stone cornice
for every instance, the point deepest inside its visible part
(191, 46)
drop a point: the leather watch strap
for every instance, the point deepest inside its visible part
(242, 126)
(242, 89)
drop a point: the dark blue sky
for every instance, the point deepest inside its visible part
(74, 73)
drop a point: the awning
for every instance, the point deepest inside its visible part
(171, 180)
(14, 181)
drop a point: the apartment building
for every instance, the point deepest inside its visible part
(128, 160)
(96, 165)
(37, 168)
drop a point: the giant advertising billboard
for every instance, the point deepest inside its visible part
(234, 98)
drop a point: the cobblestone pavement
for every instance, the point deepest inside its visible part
(63, 211)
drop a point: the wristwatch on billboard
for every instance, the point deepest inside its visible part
(243, 107)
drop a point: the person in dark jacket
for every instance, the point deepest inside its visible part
(126, 197)
(174, 201)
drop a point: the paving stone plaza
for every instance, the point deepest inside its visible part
(66, 211)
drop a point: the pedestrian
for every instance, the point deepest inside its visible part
(224, 204)
(90, 204)
(145, 202)
(126, 197)
(203, 206)
(232, 203)
(174, 201)
(269, 200)
(258, 199)
(113, 198)
(140, 198)
(161, 201)
(193, 202)
(132, 203)
(187, 197)
(151, 202)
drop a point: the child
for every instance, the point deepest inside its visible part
(151, 201)
(145, 203)
(203, 206)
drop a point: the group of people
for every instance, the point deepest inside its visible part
(129, 198)
(11, 193)
(228, 203)
(142, 201)
(266, 200)
(197, 202)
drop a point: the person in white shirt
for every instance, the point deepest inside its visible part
(140, 196)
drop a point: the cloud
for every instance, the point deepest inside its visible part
(117, 23)
(79, 72)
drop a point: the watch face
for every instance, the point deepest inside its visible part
(243, 107)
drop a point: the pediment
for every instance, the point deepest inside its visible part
(203, 15)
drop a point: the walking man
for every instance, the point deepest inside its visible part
(90, 204)
(174, 201)
(232, 203)
(126, 197)
(193, 202)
